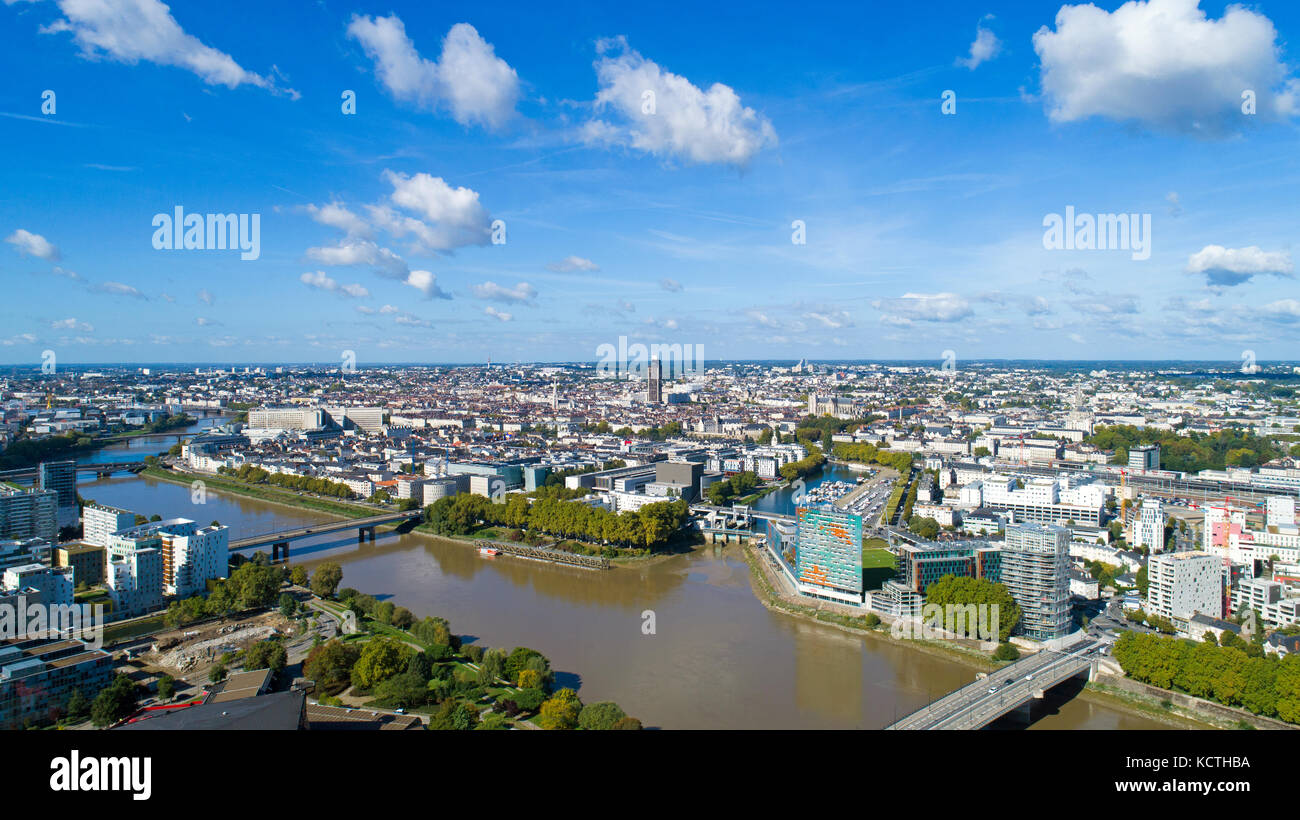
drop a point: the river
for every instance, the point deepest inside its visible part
(717, 659)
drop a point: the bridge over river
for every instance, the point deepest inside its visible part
(279, 541)
(978, 704)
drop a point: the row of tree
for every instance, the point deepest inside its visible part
(1264, 685)
(647, 528)
(251, 474)
(871, 454)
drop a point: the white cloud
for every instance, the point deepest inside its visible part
(360, 252)
(700, 126)
(1285, 310)
(410, 320)
(320, 281)
(502, 315)
(522, 293)
(129, 31)
(985, 47)
(1226, 267)
(1163, 63)
(33, 244)
(572, 263)
(204, 296)
(670, 285)
(426, 283)
(118, 289)
(71, 324)
(469, 79)
(926, 307)
(831, 318)
(451, 217)
(336, 215)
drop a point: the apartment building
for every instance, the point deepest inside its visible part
(1269, 599)
(1149, 528)
(39, 675)
(86, 561)
(29, 514)
(1035, 565)
(99, 522)
(1182, 584)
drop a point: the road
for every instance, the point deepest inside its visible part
(978, 704)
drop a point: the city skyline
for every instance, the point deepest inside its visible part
(923, 231)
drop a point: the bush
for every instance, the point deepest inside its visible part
(600, 716)
(529, 700)
(1006, 652)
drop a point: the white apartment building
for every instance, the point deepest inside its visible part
(1280, 511)
(98, 523)
(52, 585)
(286, 418)
(1269, 599)
(1149, 529)
(1182, 584)
(134, 580)
(188, 556)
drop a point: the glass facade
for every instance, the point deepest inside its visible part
(828, 555)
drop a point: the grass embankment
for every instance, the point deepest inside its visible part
(265, 492)
(134, 628)
(1149, 707)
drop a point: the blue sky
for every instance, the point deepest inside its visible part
(924, 230)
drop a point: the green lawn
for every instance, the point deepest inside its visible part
(878, 564)
(874, 558)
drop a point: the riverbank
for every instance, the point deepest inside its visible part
(1110, 696)
(287, 498)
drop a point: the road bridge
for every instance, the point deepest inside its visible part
(103, 469)
(978, 704)
(365, 527)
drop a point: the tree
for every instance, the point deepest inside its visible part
(403, 691)
(326, 579)
(455, 716)
(288, 605)
(628, 723)
(517, 660)
(561, 711)
(402, 618)
(529, 700)
(78, 706)
(269, 654)
(330, 664)
(166, 687)
(528, 679)
(600, 716)
(298, 576)
(217, 673)
(255, 586)
(1006, 652)
(381, 659)
(114, 702)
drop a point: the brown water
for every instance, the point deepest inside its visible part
(718, 658)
